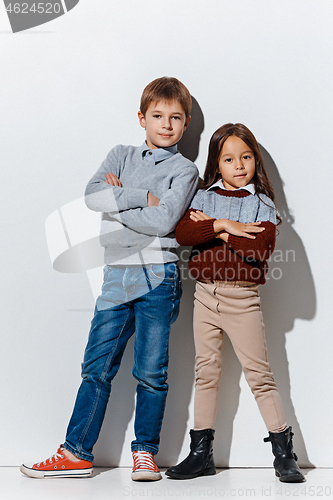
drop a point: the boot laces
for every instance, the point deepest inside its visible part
(54, 457)
(144, 460)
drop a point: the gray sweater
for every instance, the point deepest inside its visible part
(131, 232)
(233, 205)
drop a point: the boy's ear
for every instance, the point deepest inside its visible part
(142, 119)
(188, 119)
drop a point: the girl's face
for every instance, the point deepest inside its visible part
(236, 163)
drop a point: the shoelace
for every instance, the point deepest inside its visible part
(144, 460)
(55, 457)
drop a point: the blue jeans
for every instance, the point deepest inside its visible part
(144, 300)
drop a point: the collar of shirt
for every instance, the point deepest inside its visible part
(249, 187)
(159, 154)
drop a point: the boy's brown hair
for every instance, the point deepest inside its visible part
(166, 89)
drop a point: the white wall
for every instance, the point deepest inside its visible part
(70, 91)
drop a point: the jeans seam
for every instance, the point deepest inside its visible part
(99, 387)
(143, 447)
(176, 292)
(78, 454)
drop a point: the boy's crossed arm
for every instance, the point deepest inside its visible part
(101, 197)
(160, 219)
(112, 179)
(137, 208)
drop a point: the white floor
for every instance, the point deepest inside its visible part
(116, 483)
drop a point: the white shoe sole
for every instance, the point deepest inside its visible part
(145, 475)
(41, 474)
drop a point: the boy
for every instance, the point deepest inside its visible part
(142, 192)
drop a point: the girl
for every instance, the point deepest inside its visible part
(232, 227)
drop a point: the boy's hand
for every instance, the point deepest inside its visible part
(113, 180)
(152, 200)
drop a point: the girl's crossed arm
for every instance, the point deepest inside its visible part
(196, 227)
(224, 227)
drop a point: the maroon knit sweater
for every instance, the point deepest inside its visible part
(241, 259)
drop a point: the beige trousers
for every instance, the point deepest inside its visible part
(232, 308)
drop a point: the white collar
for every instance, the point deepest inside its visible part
(249, 187)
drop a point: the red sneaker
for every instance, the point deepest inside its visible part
(144, 468)
(58, 466)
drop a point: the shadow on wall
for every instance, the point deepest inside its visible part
(189, 143)
(296, 298)
(289, 293)
(283, 300)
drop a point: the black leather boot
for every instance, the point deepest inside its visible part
(286, 468)
(200, 461)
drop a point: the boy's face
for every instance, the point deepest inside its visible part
(165, 123)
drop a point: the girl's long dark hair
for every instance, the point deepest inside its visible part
(260, 179)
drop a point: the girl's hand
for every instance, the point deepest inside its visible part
(196, 216)
(223, 226)
(113, 180)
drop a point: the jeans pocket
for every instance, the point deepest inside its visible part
(163, 273)
(107, 270)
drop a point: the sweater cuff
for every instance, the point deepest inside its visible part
(137, 198)
(207, 229)
(234, 241)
